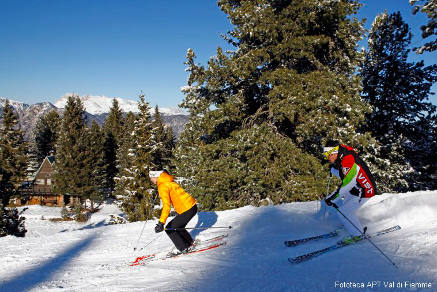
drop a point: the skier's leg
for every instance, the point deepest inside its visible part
(174, 236)
(181, 238)
(188, 215)
(349, 209)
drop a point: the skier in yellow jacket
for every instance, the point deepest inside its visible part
(184, 204)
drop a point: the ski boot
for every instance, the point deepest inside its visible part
(352, 239)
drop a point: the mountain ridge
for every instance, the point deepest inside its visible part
(96, 104)
(96, 109)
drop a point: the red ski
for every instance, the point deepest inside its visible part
(204, 245)
(196, 250)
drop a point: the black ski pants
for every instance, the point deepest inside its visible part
(180, 237)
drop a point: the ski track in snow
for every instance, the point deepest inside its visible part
(95, 256)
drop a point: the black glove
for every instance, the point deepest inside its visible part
(159, 227)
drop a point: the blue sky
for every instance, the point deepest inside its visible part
(117, 48)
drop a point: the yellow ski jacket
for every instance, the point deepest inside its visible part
(172, 194)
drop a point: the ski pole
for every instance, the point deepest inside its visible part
(142, 230)
(336, 208)
(329, 182)
(327, 194)
(141, 233)
(181, 228)
(156, 237)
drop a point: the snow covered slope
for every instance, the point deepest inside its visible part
(94, 256)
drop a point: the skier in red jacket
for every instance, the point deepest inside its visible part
(356, 188)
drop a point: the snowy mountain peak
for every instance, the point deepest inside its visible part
(96, 105)
(15, 104)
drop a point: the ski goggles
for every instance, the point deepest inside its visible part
(327, 151)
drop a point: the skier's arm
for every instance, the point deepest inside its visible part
(329, 199)
(164, 194)
(350, 171)
(335, 171)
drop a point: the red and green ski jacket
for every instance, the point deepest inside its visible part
(356, 177)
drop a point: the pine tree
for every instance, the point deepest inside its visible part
(124, 160)
(110, 148)
(165, 142)
(398, 90)
(429, 7)
(133, 186)
(13, 161)
(71, 150)
(11, 223)
(45, 134)
(95, 178)
(43, 140)
(112, 129)
(114, 121)
(169, 144)
(259, 114)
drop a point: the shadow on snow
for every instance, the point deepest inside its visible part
(256, 257)
(45, 271)
(205, 219)
(88, 226)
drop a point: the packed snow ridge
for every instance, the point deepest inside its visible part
(95, 256)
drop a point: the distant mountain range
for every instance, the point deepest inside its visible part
(96, 108)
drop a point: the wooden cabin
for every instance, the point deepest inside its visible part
(39, 189)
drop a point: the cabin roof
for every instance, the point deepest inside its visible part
(50, 159)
